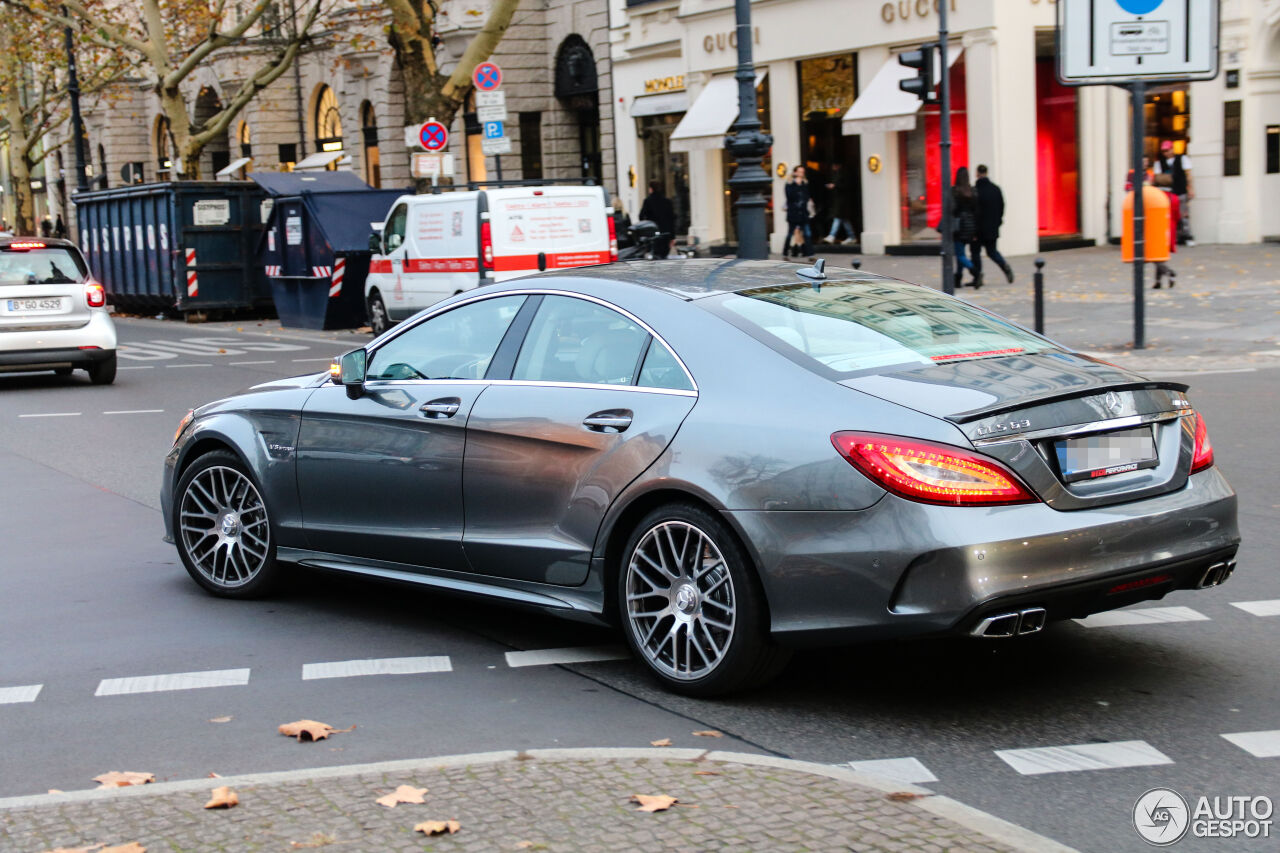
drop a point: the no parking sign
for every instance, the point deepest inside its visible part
(487, 76)
(433, 135)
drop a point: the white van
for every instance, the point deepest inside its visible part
(433, 246)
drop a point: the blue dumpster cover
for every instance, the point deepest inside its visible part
(296, 183)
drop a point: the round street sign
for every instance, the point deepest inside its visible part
(487, 76)
(433, 135)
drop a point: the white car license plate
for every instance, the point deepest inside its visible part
(28, 306)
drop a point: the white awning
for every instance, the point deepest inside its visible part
(233, 167)
(707, 121)
(319, 160)
(882, 106)
(662, 104)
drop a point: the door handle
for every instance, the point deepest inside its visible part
(444, 407)
(611, 420)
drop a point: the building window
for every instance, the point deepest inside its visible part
(1273, 149)
(245, 137)
(1231, 139)
(920, 161)
(1167, 116)
(369, 136)
(288, 155)
(531, 146)
(328, 123)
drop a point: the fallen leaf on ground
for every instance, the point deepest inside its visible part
(94, 849)
(706, 773)
(402, 794)
(123, 779)
(312, 730)
(56, 791)
(666, 741)
(906, 796)
(709, 733)
(222, 798)
(653, 802)
(131, 847)
(437, 827)
(225, 719)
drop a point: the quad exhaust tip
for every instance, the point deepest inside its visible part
(1216, 574)
(1016, 623)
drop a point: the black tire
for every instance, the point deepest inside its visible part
(749, 656)
(103, 372)
(379, 319)
(268, 573)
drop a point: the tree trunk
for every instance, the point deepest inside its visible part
(184, 154)
(24, 208)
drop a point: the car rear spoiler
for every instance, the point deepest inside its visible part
(1054, 396)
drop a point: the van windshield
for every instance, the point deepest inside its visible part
(53, 265)
(852, 327)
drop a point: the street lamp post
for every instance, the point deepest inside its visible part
(747, 146)
(77, 123)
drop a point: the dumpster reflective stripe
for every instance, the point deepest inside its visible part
(557, 260)
(193, 286)
(381, 266)
(321, 272)
(273, 269)
(335, 282)
(441, 264)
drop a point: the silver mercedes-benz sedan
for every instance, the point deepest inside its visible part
(725, 458)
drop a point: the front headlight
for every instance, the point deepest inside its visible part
(186, 419)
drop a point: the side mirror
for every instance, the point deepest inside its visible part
(375, 243)
(351, 372)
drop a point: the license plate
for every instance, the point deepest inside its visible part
(1092, 456)
(28, 306)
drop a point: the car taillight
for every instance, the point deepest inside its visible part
(613, 238)
(931, 473)
(1203, 456)
(486, 246)
(95, 294)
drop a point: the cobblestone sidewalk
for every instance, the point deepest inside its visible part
(554, 800)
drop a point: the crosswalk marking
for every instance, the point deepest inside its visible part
(909, 771)
(376, 666)
(173, 681)
(1146, 616)
(577, 654)
(1270, 607)
(15, 695)
(1257, 744)
(1085, 756)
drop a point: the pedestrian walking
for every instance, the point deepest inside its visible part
(621, 223)
(46, 227)
(60, 228)
(964, 225)
(838, 193)
(1163, 270)
(990, 218)
(799, 200)
(1178, 168)
(658, 210)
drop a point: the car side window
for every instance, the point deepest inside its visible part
(457, 344)
(395, 230)
(573, 340)
(661, 370)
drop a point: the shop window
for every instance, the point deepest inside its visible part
(730, 166)
(1057, 157)
(531, 146)
(1167, 116)
(920, 158)
(1231, 139)
(287, 154)
(1273, 149)
(828, 86)
(667, 167)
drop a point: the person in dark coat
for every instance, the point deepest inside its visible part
(838, 189)
(59, 228)
(964, 225)
(798, 199)
(990, 218)
(658, 210)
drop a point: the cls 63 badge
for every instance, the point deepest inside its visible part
(1008, 426)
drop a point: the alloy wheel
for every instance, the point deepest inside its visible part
(224, 529)
(680, 600)
(378, 320)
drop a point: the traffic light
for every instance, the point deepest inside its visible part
(922, 84)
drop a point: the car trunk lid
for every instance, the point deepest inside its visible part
(41, 288)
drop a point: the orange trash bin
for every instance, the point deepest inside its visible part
(1155, 210)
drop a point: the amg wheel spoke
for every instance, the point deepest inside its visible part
(224, 526)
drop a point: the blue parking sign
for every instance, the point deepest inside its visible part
(493, 130)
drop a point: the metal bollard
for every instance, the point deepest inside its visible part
(1039, 285)
(857, 265)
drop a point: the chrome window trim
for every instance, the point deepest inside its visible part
(373, 346)
(1082, 429)
(643, 389)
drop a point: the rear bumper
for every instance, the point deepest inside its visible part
(900, 568)
(46, 349)
(47, 359)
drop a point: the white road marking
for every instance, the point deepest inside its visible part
(315, 358)
(909, 771)
(577, 654)
(376, 666)
(1258, 744)
(1259, 608)
(1146, 616)
(136, 367)
(1085, 756)
(27, 693)
(135, 412)
(174, 681)
(53, 415)
(267, 361)
(171, 366)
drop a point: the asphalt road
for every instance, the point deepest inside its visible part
(89, 594)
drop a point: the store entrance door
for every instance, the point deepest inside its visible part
(669, 168)
(828, 85)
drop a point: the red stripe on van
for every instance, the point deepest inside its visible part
(561, 260)
(382, 266)
(441, 264)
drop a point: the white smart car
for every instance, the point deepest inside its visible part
(53, 315)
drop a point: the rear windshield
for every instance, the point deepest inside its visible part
(53, 265)
(847, 328)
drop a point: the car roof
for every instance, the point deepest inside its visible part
(698, 278)
(49, 242)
